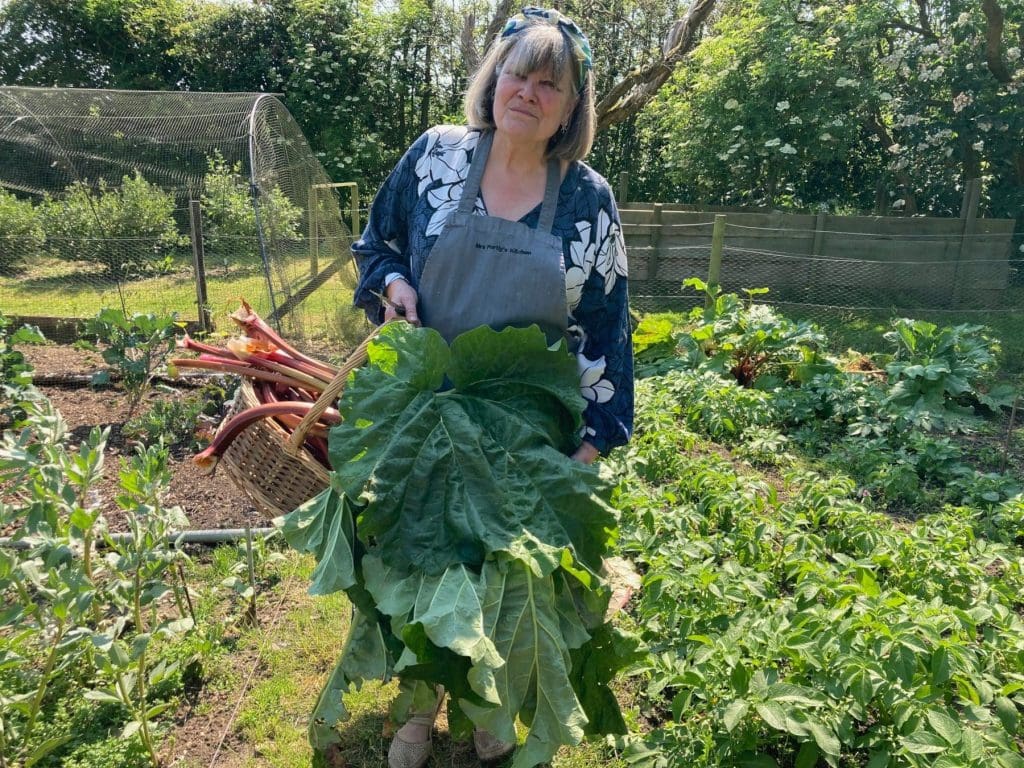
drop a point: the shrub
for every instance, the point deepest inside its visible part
(129, 230)
(229, 220)
(21, 231)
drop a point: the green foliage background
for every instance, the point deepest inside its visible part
(792, 103)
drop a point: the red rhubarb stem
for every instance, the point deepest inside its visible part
(240, 369)
(257, 326)
(234, 428)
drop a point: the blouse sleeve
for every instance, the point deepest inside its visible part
(384, 245)
(606, 353)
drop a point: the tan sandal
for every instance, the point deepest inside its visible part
(489, 748)
(410, 752)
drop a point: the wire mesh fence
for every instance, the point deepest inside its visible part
(173, 202)
(843, 279)
(163, 201)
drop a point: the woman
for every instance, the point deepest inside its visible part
(500, 223)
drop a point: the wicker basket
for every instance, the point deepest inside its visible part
(270, 465)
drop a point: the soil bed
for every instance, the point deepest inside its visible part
(209, 501)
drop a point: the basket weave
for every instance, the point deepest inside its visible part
(257, 462)
(270, 465)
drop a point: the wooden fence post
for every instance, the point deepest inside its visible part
(819, 234)
(623, 193)
(969, 215)
(195, 218)
(314, 231)
(354, 199)
(654, 261)
(715, 267)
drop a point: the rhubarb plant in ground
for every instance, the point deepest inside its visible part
(469, 543)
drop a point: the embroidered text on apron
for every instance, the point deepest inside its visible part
(484, 270)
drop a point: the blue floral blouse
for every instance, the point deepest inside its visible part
(413, 206)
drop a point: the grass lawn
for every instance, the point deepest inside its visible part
(54, 288)
(293, 651)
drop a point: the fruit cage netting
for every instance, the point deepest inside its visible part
(146, 201)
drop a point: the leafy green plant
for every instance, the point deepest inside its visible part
(143, 561)
(129, 229)
(447, 592)
(59, 593)
(229, 216)
(15, 370)
(757, 346)
(21, 231)
(174, 421)
(940, 374)
(136, 347)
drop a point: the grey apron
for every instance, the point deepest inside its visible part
(484, 270)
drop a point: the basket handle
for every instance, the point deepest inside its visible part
(331, 393)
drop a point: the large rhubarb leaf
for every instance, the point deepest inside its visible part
(535, 684)
(325, 527)
(365, 657)
(468, 541)
(451, 475)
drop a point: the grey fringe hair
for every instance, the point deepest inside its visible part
(537, 47)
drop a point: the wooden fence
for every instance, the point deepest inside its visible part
(825, 259)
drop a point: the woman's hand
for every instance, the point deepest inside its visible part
(402, 297)
(586, 453)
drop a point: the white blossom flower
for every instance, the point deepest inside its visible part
(885, 96)
(782, 106)
(962, 100)
(795, 120)
(895, 148)
(787, 149)
(826, 137)
(731, 104)
(845, 82)
(985, 127)
(1013, 53)
(978, 146)
(737, 127)
(773, 142)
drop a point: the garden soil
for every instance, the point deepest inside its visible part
(209, 501)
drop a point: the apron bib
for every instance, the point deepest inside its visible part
(484, 270)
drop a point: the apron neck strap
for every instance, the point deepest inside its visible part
(476, 174)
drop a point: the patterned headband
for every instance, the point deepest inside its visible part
(568, 27)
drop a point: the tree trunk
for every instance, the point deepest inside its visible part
(633, 92)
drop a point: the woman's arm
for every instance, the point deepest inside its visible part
(383, 248)
(606, 350)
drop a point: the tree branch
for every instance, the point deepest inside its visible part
(636, 89)
(924, 20)
(873, 122)
(994, 40)
(925, 32)
(467, 41)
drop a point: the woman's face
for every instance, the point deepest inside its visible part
(530, 108)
